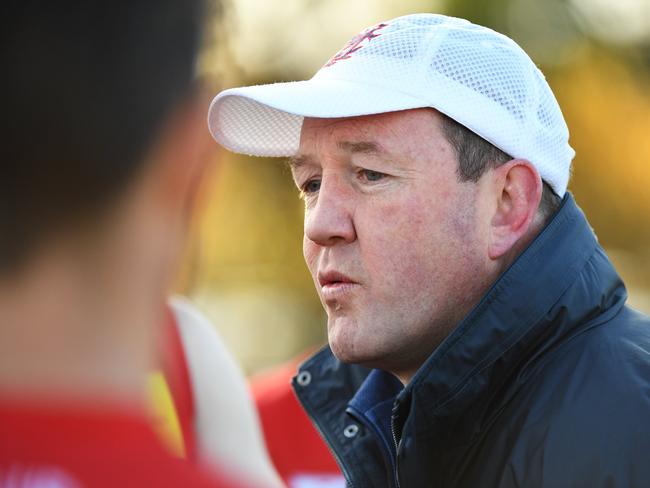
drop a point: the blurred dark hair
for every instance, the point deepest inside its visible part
(476, 155)
(86, 85)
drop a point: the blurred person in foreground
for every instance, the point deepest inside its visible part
(103, 137)
(478, 334)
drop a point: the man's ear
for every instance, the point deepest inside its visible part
(518, 188)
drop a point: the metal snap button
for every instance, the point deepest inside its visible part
(351, 430)
(304, 378)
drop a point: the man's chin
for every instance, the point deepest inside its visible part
(348, 344)
(343, 354)
(341, 335)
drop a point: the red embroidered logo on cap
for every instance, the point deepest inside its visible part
(356, 43)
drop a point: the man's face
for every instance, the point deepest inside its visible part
(395, 243)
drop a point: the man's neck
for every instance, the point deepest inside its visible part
(408, 368)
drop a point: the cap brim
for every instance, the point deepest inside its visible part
(266, 120)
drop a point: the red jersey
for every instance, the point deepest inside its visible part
(70, 447)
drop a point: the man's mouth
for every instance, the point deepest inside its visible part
(334, 285)
(329, 278)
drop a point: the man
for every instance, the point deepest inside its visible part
(478, 333)
(101, 153)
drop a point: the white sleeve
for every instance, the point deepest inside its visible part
(227, 425)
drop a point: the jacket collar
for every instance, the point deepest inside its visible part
(551, 290)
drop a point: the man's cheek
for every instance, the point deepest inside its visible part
(310, 254)
(399, 265)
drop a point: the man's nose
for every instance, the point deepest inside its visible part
(330, 220)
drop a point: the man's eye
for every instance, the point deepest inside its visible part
(311, 186)
(371, 175)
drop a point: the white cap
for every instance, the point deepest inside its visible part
(478, 77)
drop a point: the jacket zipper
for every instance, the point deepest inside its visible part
(392, 430)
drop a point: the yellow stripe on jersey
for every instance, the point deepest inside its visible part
(164, 413)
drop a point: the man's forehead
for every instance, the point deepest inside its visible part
(377, 134)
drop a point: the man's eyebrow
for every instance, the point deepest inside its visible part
(366, 147)
(295, 162)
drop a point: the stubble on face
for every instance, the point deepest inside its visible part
(408, 242)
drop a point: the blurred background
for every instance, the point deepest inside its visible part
(244, 264)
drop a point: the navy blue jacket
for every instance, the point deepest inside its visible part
(546, 383)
